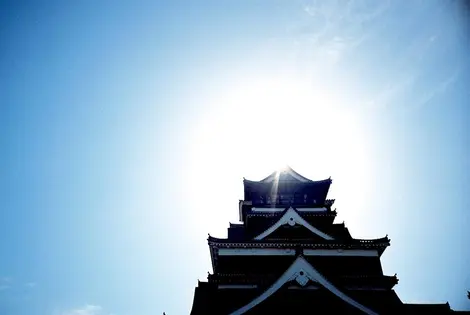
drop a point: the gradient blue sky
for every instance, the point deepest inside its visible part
(126, 128)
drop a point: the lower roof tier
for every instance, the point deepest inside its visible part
(378, 244)
(290, 299)
(300, 287)
(275, 250)
(263, 266)
(290, 225)
(357, 282)
(430, 309)
(209, 300)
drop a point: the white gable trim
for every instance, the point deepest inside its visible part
(291, 217)
(302, 272)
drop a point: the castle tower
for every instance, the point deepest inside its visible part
(289, 257)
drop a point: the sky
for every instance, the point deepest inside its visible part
(126, 128)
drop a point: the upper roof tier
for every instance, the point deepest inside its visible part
(287, 174)
(286, 187)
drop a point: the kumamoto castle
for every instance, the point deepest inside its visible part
(288, 257)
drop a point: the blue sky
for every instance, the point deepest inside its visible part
(127, 127)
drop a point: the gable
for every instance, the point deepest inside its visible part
(297, 232)
(303, 273)
(291, 217)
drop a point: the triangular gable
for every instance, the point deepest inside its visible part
(302, 272)
(295, 233)
(291, 217)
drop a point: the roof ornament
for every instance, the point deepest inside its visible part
(301, 278)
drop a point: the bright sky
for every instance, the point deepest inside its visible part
(126, 129)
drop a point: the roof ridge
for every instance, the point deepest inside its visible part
(288, 170)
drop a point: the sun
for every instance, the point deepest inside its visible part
(262, 125)
(271, 122)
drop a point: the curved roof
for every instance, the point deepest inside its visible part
(354, 243)
(289, 175)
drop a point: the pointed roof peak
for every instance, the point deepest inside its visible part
(287, 173)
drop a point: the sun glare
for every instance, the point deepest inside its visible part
(259, 126)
